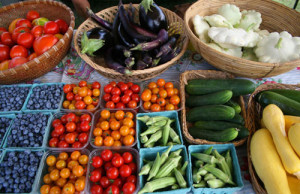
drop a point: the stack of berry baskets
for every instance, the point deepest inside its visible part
(81, 96)
(160, 95)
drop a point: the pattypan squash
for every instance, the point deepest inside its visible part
(277, 48)
(249, 54)
(236, 52)
(217, 20)
(231, 13)
(251, 19)
(201, 28)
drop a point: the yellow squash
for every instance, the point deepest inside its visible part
(289, 121)
(294, 137)
(267, 163)
(274, 120)
(294, 184)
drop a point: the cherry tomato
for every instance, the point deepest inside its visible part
(78, 170)
(108, 88)
(113, 83)
(63, 26)
(127, 156)
(32, 15)
(106, 155)
(4, 65)
(70, 138)
(175, 100)
(146, 95)
(71, 117)
(107, 166)
(4, 52)
(51, 27)
(117, 161)
(44, 43)
(17, 61)
(132, 104)
(97, 161)
(67, 88)
(23, 23)
(70, 96)
(131, 179)
(96, 189)
(133, 167)
(85, 117)
(115, 98)
(71, 127)
(95, 101)
(85, 126)
(135, 88)
(104, 182)
(80, 105)
(112, 173)
(63, 144)
(32, 56)
(118, 182)
(107, 97)
(59, 129)
(56, 122)
(125, 170)
(18, 31)
(96, 85)
(116, 91)
(110, 104)
(82, 83)
(125, 99)
(123, 87)
(54, 134)
(12, 25)
(128, 92)
(128, 188)
(95, 176)
(77, 144)
(128, 140)
(120, 105)
(135, 97)
(77, 97)
(53, 142)
(18, 51)
(112, 189)
(6, 39)
(155, 108)
(64, 119)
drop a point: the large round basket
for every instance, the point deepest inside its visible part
(254, 115)
(203, 74)
(284, 19)
(46, 62)
(176, 25)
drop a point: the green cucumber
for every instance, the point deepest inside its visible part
(218, 136)
(235, 106)
(287, 105)
(238, 119)
(292, 94)
(210, 113)
(220, 97)
(243, 133)
(207, 86)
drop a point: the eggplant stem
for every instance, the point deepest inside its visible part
(147, 5)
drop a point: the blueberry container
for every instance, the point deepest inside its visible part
(150, 154)
(176, 85)
(37, 175)
(26, 109)
(10, 116)
(20, 109)
(58, 115)
(237, 177)
(44, 167)
(120, 150)
(97, 116)
(140, 126)
(45, 138)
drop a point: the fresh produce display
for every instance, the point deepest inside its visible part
(4, 124)
(45, 97)
(128, 44)
(214, 111)
(237, 34)
(158, 131)
(18, 171)
(212, 169)
(121, 95)
(28, 37)
(115, 171)
(114, 128)
(82, 96)
(28, 130)
(167, 171)
(69, 130)
(13, 97)
(160, 96)
(66, 173)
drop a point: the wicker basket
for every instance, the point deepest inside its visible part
(175, 26)
(203, 74)
(254, 114)
(284, 19)
(46, 62)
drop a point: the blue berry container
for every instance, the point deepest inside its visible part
(17, 85)
(37, 175)
(237, 177)
(26, 110)
(140, 126)
(45, 138)
(150, 154)
(10, 116)
(43, 170)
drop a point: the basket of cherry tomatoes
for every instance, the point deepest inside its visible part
(114, 128)
(160, 95)
(82, 96)
(34, 38)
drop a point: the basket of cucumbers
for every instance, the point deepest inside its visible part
(214, 110)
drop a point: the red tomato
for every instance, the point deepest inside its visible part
(110, 104)
(63, 144)
(135, 88)
(95, 176)
(37, 31)
(85, 126)
(108, 88)
(18, 31)
(97, 161)
(63, 26)
(77, 97)
(113, 83)
(77, 144)
(133, 167)
(80, 105)
(96, 189)
(25, 39)
(82, 83)
(4, 52)
(104, 182)
(127, 156)
(70, 96)
(64, 119)
(128, 188)
(32, 15)
(71, 127)
(124, 87)
(135, 97)
(128, 92)
(32, 56)
(132, 104)
(51, 28)
(44, 43)
(107, 166)
(115, 98)
(56, 122)
(23, 23)
(112, 189)
(129, 84)
(53, 142)
(120, 105)
(118, 182)
(83, 138)
(54, 134)
(71, 117)
(2, 30)
(6, 39)
(95, 101)
(67, 88)
(70, 138)
(125, 99)
(112, 173)
(18, 51)
(131, 179)
(17, 61)
(107, 97)
(59, 129)
(117, 161)
(116, 91)
(85, 117)
(96, 85)
(106, 155)
(125, 170)
(116, 154)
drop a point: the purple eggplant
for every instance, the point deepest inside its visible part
(111, 63)
(124, 38)
(152, 17)
(167, 47)
(115, 32)
(129, 62)
(131, 13)
(120, 53)
(167, 57)
(162, 37)
(103, 23)
(141, 65)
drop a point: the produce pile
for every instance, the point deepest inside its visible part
(237, 33)
(128, 44)
(12, 98)
(27, 38)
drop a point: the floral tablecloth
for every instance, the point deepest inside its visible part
(73, 69)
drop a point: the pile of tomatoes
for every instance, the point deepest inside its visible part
(160, 96)
(114, 129)
(66, 173)
(81, 96)
(70, 131)
(27, 38)
(121, 95)
(113, 173)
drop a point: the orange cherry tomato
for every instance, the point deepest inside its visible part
(88, 100)
(170, 107)
(108, 141)
(116, 135)
(129, 115)
(161, 102)
(175, 100)
(131, 131)
(176, 92)
(170, 92)
(124, 130)
(54, 175)
(169, 85)
(83, 91)
(55, 190)
(66, 104)
(152, 85)
(63, 156)
(60, 164)
(45, 189)
(75, 155)
(47, 179)
(90, 107)
(128, 122)
(61, 182)
(83, 159)
(147, 105)
(51, 160)
(105, 114)
(79, 184)
(72, 107)
(97, 132)
(78, 170)
(89, 92)
(106, 133)
(65, 173)
(132, 104)
(162, 93)
(104, 125)
(153, 98)
(98, 141)
(146, 96)
(155, 90)
(51, 168)
(120, 115)
(115, 125)
(72, 163)
(96, 92)
(76, 89)
(128, 140)
(68, 189)
(117, 143)
(160, 82)
(155, 108)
